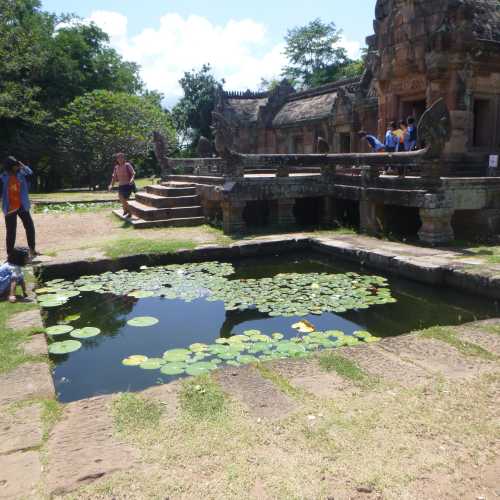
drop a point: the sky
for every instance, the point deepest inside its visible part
(243, 41)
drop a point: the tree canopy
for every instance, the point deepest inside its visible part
(193, 113)
(314, 56)
(96, 125)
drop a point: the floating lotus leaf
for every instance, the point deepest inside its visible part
(71, 318)
(228, 355)
(52, 303)
(347, 340)
(335, 333)
(304, 326)
(290, 347)
(176, 355)
(222, 340)
(199, 368)
(361, 334)
(58, 330)
(64, 347)
(277, 336)
(141, 294)
(142, 321)
(134, 360)
(245, 359)
(173, 368)
(151, 364)
(249, 333)
(89, 288)
(44, 290)
(85, 333)
(198, 347)
(371, 339)
(234, 339)
(233, 363)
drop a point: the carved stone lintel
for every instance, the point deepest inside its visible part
(436, 226)
(232, 216)
(282, 212)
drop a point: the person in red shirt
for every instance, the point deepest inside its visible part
(124, 174)
(16, 203)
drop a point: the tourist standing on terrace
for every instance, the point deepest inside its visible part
(391, 139)
(400, 133)
(411, 135)
(374, 143)
(15, 202)
(124, 174)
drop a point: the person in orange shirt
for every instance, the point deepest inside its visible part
(15, 202)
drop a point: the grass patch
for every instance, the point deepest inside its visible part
(448, 336)
(280, 382)
(346, 368)
(131, 246)
(11, 353)
(202, 399)
(133, 413)
(51, 414)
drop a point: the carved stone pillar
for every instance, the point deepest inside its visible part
(328, 211)
(436, 226)
(232, 216)
(371, 216)
(282, 212)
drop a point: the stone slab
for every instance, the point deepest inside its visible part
(25, 320)
(259, 395)
(19, 475)
(82, 446)
(487, 340)
(306, 374)
(20, 429)
(377, 362)
(29, 380)
(436, 356)
(36, 345)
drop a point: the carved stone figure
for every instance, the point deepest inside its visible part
(434, 129)
(322, 146)
(204, 148)
(161, 151)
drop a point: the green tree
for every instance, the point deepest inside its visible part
(192, 115)
(314, 57)
(98, 124)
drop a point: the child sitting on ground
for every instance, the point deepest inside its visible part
(12, 275)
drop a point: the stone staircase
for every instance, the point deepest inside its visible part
(172, 204)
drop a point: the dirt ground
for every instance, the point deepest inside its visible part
(85, 235)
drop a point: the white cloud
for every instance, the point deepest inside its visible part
(180, 44)
(352, 47)
(238, 51)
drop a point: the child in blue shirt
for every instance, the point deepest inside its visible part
(391, 140)
(374, 143)
(411, 135)
(12, 275)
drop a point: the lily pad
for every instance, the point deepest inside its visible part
(85, 333)
(64, 347)
(176, 355)
(71, 318)
(200, 368)
(58, 330)
(151, 364)
(141, 294)
(142, 321)
(198, 347)
(173, 368)
(134, 360)
(245, 359)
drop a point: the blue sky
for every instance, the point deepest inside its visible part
(242, 40)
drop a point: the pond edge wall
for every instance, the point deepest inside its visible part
(422, 269)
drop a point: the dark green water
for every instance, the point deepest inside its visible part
(97, 369)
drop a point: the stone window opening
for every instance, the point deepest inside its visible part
(484, 122)
(345, 143)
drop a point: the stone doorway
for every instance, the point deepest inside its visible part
(412, 107)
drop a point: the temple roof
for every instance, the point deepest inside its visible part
(302, 109)
(244, 111)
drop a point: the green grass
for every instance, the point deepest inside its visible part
(449, 336)
(132, 246)
(11, 353)
(51, 414)
(202, 399)
(133, 413)
(280, 382)
(344, 367)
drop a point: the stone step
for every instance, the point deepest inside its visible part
(183, 222)
(146, 212)
(167, 191)
(153, 200)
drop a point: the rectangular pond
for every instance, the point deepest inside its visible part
(129, 330)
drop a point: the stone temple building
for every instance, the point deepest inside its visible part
(421, 50)
(439, 59)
